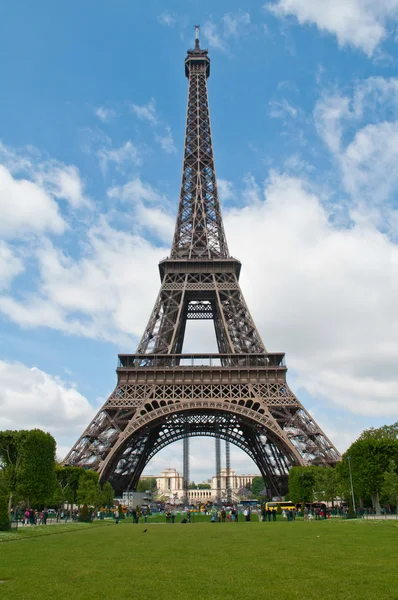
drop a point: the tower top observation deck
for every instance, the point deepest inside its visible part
(197, 57)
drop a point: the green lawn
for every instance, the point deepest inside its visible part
(240, 561)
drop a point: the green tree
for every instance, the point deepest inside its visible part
(385, 432)
(10, 459)
(68, 483)
(88, 491)
(302, 484)
(146, 483)
(369, 459)
(204, 486)
(4, 516)
(36, 472)
(390, 483)
(84, 514)
(258, 485)
(326, 485)
(108, 494)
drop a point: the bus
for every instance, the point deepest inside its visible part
(280, 506)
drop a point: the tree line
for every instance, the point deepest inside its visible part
(371, 463)
(31, 477)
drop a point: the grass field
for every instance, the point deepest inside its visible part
(319, 560)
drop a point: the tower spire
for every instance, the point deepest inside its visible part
(199, 231)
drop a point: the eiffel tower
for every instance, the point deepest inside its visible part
(240, 394)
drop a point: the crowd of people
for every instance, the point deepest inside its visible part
(35, 517)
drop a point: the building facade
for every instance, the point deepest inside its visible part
(170, 484)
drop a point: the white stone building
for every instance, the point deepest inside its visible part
(170, 483)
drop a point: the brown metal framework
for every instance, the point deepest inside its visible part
(240, 394)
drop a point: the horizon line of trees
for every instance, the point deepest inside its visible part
(30, 475)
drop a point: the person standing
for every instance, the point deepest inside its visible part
(263, 513)
(173, 516)
(117, 516)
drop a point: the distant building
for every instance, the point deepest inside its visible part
(170, 483)
(133, 499)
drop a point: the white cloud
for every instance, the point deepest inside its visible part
(63, 181)
(26, 207)
(211, 34)
(361, 130)
(225, 190)
(370, 162)
(105, 114)
(125, 154)
(146, 112)
(10, 265)
(149, 208)
(329, 114)
(233, 25)
(92, 295)
(327, 295)
(281, 108)
(167, 19)
(53, 178)
(31, 398)
(163, 134)
(166, 141)
(358, 23)
(135, 191)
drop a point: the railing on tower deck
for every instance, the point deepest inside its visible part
(264, 360)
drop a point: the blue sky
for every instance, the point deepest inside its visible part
(304, 108)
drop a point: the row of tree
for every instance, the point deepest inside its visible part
(31, 477)
(370, 463)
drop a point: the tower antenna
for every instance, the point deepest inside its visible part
(197, 27)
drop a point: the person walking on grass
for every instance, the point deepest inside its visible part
(117, 516)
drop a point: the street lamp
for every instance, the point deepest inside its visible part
(352, 487)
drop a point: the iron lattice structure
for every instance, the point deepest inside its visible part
(239, 395)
